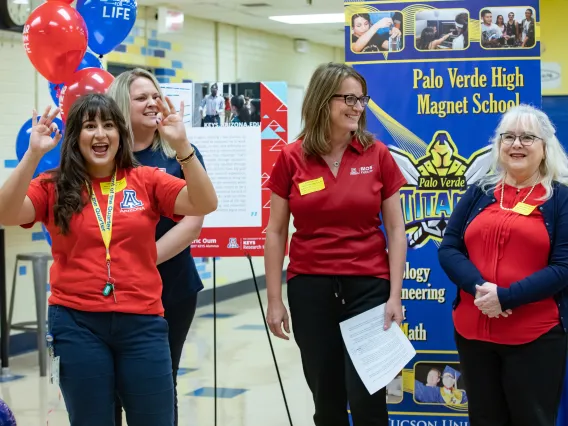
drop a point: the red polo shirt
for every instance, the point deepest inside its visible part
(507, 247)
(79, 273)
(337, 218)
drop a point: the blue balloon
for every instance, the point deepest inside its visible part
(49, 160)
(48, 239)
(90, 60)
(108, 22)
(6, 416)
(54, 90)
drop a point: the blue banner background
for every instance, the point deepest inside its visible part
(394, 116)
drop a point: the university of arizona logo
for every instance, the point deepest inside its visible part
(436, 182)
(130, 202)
(233, 243)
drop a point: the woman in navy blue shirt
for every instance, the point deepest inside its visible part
(136, 93)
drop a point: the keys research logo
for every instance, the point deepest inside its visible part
(233, 243)
(435, 184)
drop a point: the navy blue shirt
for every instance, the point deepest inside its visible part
(551, 281)
(179, 275)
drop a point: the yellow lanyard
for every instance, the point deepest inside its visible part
(105, 227)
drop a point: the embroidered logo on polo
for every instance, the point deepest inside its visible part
(435, 184)
(130, 203)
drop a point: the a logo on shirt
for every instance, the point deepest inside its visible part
(363, 170)
(436, 182)
(129, 202)
(233, 243)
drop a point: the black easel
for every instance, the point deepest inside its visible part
(4, 338)
(215, 340)
(268, 337)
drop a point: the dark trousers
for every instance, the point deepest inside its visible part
(179, 318)
(514, 385)
(316, 312)
(102, 353)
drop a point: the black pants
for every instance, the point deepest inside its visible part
(514, 385)
(316, 312)
(179, 318)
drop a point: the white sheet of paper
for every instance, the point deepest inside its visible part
(232, 157)
(378, 355)
(178, 92)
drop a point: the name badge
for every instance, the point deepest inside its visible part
(120, 185)
(524, 209)
(310, 186)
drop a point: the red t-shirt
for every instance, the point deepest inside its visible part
(79, 272)
(337, 219)
(507, 247)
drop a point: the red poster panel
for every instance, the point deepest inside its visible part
(233, 241)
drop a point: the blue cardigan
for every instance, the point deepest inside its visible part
(549, 281)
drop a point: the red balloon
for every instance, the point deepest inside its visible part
(83, 82)
(55, 38)
(63, 1)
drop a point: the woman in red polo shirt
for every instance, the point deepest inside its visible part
(506, 248)
(335, 180)
(106, 325)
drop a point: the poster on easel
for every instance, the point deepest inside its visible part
(440, 74)
(239, 128)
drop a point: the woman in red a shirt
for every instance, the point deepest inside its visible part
(336, 181)
(106, 325)
(506, 248)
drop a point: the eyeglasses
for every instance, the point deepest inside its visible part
(351, 100)
(510, 138)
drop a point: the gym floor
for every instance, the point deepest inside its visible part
(248, 392)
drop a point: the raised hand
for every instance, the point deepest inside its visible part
(41, 140)
(170, 125)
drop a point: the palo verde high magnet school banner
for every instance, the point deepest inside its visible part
(440, 74)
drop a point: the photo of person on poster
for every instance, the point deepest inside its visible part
(498, 33)
(238, 106)
(440, 386)
(442, 29)
(377, 32)
(211, 108)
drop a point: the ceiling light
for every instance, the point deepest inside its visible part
(323, 18)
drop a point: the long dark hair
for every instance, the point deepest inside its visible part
(428, 36)
(71, 175)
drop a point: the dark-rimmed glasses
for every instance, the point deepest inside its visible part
(351, 100)
(510, 138)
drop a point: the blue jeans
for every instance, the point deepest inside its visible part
(102, 352)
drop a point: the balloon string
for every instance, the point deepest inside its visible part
(53, 408)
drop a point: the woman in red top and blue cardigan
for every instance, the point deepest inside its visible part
(506, 248)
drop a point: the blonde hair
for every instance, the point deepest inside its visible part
(316, 110)
(554, 166)
(120, 92)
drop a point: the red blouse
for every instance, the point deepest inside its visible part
(506, 247)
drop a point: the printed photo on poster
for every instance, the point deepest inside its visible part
(227, 105)
(395, 392)
(508, 27)
(377, 32)
(439, 383)
(442, 29)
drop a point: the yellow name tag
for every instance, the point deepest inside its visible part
(120, 185)
(524, 209)
(310, 186)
